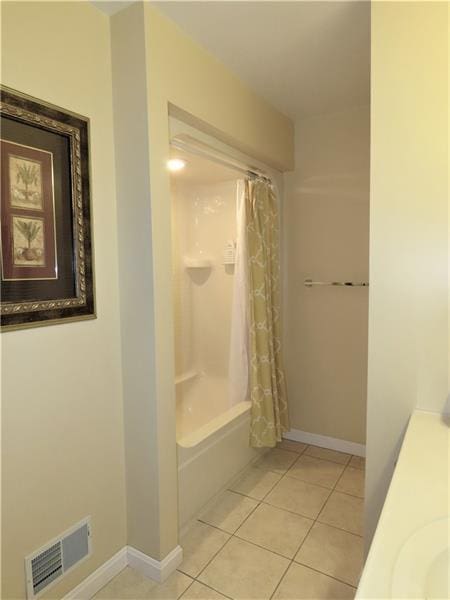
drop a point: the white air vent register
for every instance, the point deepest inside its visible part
(48, 564)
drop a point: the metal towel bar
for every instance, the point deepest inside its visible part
(310, 283)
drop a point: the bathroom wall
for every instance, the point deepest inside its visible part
(326, 238)
(204, 220)
(408, 343)
(62, 425)
(176, 74)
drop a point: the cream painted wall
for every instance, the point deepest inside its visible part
(200, 86)
(179, 72)
(62, 451)
(143, 456)
(326, 238)
(408, 356)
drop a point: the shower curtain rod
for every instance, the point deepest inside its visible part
(189, 144)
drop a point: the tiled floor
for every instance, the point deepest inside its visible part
(289, 528)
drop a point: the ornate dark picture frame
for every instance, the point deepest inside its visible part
(46, 245)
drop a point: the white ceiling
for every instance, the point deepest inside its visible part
(305, 58)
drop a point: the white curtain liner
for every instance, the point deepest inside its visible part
(238, 362)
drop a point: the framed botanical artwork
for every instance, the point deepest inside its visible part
(46, 246)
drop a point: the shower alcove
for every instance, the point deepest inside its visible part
(212, 428)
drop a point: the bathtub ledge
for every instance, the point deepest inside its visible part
(216, 424)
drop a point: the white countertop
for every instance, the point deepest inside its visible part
(410, 548)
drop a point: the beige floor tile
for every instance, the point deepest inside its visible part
(229, 511)
(298, 496)
(199, 545)
(277, 460)
(343, 511)
(198, 591)
(333, 455)
(244, 571)
(358, 462)
(131, 585)
(256, 483)
(301, 583)
(275, 529)
(316, 470)
(292, 446)
(333, 552)
(352, 482)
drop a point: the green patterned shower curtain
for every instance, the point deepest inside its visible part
(269, 410)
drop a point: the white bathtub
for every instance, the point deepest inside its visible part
(212, 442)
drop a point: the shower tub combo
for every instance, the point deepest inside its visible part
(212, 441)
(213, 424)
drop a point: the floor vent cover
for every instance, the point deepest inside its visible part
(50, 562)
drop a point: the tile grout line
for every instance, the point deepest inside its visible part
(334, 490)
(292, 559)
(267, 549)
(304, 539)
(290, 477)
(317, 521)
(228, 540)
(188, 587)
(286, 474)
(314, 520)
(320, 522)
(281, 579)
(258, 503)
(324, 486)
(261, 501)
(329, 459)
(327, 575)
(196, 578)
(232, 535)
(214, 589)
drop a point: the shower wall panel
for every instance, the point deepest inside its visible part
(204, 221)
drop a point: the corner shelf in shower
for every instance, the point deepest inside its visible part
(197, 263)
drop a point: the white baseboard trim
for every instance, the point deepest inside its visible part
(158, 570)
(100, 577)
(326, 442)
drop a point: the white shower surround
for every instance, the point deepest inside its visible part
(211, 456)
(212, 423)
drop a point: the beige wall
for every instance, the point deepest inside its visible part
(326, 237)
(198, 84)
(62, 448)
(181, 73)
(408, 359)
(142, 454)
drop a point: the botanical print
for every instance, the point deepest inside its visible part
(28, 242)
(25, 177)
(46, 269)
